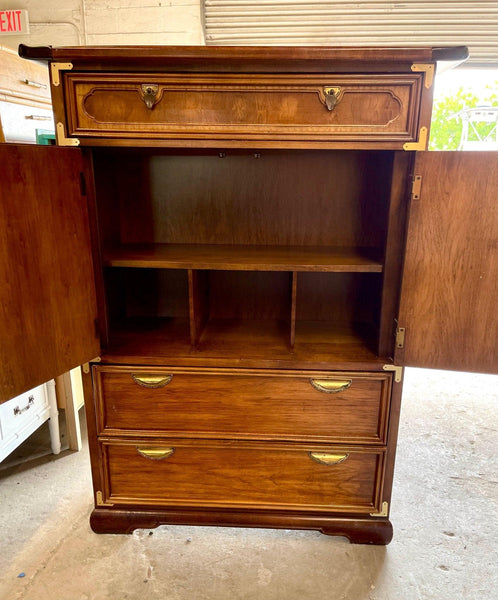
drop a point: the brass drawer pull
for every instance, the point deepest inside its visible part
(34, 84)
(325, 458)
(332, 96)
(149, 94)
(155, 453)
(331, 386)
(152, 381)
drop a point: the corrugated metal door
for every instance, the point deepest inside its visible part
(366, 23)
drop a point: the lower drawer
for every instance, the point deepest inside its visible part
(242, 475)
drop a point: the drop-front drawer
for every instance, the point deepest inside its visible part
(242, 475)
(229, 107)
(321, 406)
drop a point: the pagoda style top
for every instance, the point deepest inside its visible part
(244, 58)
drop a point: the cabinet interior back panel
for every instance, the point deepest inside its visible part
(327, 198)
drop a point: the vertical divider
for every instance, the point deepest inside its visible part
(198, 300)
(293, 310)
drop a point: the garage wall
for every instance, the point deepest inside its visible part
(104, 22)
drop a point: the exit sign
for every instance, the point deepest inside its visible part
(13, 22)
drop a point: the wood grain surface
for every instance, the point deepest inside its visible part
(47, 293)
(449, 299)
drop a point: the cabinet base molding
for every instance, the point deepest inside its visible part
(357, 530)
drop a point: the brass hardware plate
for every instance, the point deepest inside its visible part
(429, 71)
(151, 381)
(416, 187)
(332, 95)
(56, 68)
(62, 140)
(398, 372)
(330, 386)
(400, 337)
(422, 141)
(155, 453)
(384, 511)
(100, 500)
(326, 458)
(86, 366)
(149, 94)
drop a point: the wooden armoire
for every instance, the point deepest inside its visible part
(244, 247)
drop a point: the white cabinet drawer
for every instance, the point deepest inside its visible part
(19, 413)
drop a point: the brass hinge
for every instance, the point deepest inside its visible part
(398, 371)
(428, 69)
(56, 68)
(86, 366)
(62, 140)
(400, 337)
(100, 500)
(416, 187)
(422, 141)
(384, 511)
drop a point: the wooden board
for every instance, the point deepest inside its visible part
(47, 295)
(449, 298)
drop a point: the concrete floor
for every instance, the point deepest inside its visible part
(444, 512)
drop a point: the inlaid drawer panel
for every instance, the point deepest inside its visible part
(324, 107)
(322, 406)
(225, 474)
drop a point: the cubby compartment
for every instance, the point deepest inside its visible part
(261, 254)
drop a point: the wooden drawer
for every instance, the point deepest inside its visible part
(251, 404)
(369, 108)
(243, 475)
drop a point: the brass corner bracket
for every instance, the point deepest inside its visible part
(428, 69)
(398, 372)
(86, 366)
(384, 511)
(100, 500)
(421, 144)
(62, 140)
(56, 68)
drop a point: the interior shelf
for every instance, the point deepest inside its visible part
(238, 341)
(245, 257)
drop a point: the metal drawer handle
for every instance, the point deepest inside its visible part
(152, 381)
(34, 84)
(18, 410)
(324, 458)
(332, 96)
(149, 94)
(331, 386)
(38, 118)
(155, 453)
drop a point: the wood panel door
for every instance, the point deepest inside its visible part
(449, 297)
(47, 292)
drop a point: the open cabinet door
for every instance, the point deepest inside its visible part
(449, 296)
(47, 292)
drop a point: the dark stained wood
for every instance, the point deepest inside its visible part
(243, 475)
(244, 258)
(198, 304)
(357, 530)
(449, 298)
(248, 343)
(197, 253)
(47, 295)
(247, 107)
(293, 310)
(394, 251)
(288, 198)
(236, 404)
(245, 59)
